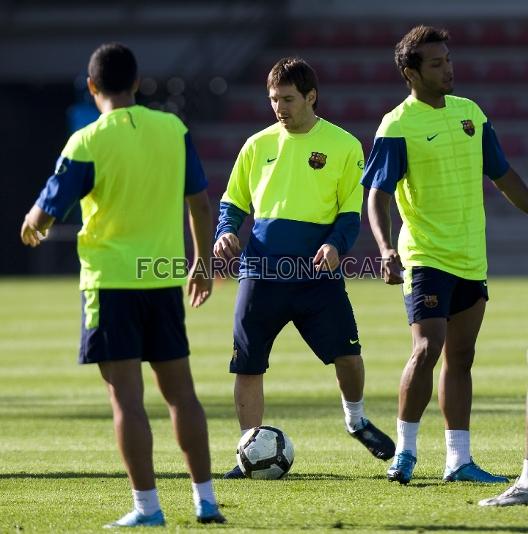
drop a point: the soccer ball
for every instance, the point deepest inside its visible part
(265, 452)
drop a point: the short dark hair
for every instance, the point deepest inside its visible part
(113, 68)
(294, 71)
(406, 54)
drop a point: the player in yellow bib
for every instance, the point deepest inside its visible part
(431, 152)
(133, 171)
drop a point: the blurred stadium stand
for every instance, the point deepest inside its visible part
(207, 61)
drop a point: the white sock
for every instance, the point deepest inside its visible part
(146, 502)
(203, 491)
(407, 433)
(354, 413)
(243, 431)
(457, 447)
(523, 479)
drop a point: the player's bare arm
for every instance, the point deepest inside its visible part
(514, 189)
(35, 226)
(379, 204)
(200, 285)
(227, 246)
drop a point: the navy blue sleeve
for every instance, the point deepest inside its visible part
(344, 232)
(386, 165)
(195, 180)
(72, 181)
(230, 219)
(494, 161)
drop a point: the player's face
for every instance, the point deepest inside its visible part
(436, 71)
(293, 110)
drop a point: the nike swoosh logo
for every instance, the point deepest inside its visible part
(270, 160)
(354, 341)
(432, 137)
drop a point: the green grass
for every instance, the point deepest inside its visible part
(60, 471)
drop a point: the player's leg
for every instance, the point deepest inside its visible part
(175, 382)
(261, 311)
(416, 383)
(325, 319)
(518, 493)
(350, 375)
(455, 385)
(134, 439)
(112, 327)
(249, 400)
(427, 294)
(166, 344)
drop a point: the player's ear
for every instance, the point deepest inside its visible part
(311, 96)
(411, 74)
(135, 86)
(91, 86)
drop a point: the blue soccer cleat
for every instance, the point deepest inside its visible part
(402, 468)
(207, 512)
(377, 442)
(471, 472)
(236, 472)
(137, 519)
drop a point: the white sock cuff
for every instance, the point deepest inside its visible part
(354, 412)
(407, 434)
(203, 491)
(523, 479)
(457, 448)
(146, 501)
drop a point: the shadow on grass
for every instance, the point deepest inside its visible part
(215, 409)
(461, 528)
(418, 482)
(74, 475)
(301, 408)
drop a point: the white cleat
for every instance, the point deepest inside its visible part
(513, 496)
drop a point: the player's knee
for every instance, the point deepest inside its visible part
(460, 359)
(426, 352)
(183, 399)
(129, 409)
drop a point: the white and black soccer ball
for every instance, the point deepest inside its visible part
(265, 452)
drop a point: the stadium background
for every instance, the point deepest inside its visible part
(207, 61)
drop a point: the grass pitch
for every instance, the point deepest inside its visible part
(60, 471)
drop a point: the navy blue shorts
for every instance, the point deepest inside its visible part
(319, 309)
(120, 324)
(430, 292)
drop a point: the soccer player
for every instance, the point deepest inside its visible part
(301, 175)
(133, 169)
(432, 151)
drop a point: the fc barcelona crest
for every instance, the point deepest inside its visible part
(430, 301)
(317, 160)
(468, 127)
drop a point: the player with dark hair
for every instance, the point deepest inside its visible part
(431, 151)
(301, 176)
(133, 169)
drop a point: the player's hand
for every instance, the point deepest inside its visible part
(391, 267)
(227, 246)
(30, 235)
(199, 286)
(326, 258)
